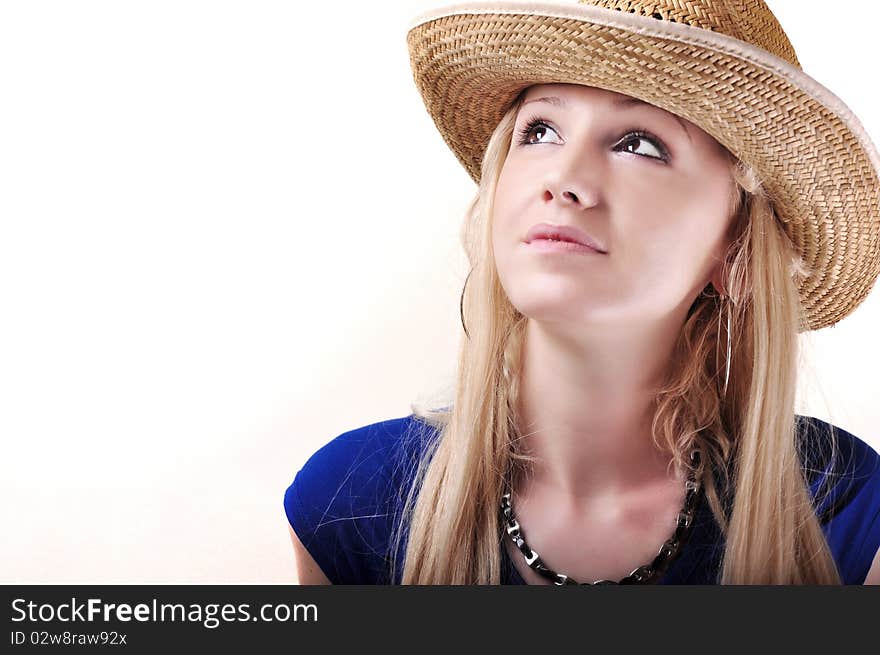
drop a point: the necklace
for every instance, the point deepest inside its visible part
(645, 574)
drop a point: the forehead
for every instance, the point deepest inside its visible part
(572, 90)
(577, 94)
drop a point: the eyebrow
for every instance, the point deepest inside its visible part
(620, 103)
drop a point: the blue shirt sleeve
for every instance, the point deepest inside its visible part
(345, 500)
(847, 488)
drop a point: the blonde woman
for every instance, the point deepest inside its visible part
(665, 200)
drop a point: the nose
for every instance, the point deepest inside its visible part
(569, 197)
(572, 182)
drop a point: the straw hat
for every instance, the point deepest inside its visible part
(725, 65)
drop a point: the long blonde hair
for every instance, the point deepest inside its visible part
(751, 469)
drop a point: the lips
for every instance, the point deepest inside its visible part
(562, 233)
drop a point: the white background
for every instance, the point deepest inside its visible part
(229, 233)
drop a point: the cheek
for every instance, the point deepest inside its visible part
(506, 184)
(678, 222)
(503, 208)
(697, 204)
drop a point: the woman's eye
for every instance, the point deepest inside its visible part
(633, 142)
(534, 127)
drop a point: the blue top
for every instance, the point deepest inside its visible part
(343, 502)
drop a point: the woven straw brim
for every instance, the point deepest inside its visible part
(818, 165)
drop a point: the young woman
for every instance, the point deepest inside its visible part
(665, 201)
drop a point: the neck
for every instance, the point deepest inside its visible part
(586, 405)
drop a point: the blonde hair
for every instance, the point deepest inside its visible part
(751, 467)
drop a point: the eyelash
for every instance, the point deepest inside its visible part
(535, 121)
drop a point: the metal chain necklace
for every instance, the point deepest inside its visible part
(645, 574)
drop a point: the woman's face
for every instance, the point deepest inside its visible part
(653, 195)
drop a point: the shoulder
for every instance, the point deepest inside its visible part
(843, 474)
(835, 458)
(343, 502)
(367, 457)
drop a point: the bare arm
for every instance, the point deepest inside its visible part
(307, 570)
(874, 571)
